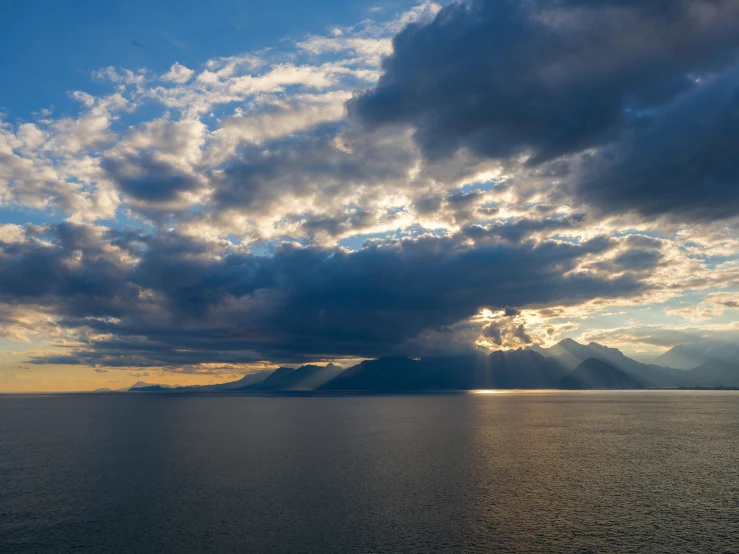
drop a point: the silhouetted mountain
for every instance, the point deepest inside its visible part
(304, 378)
(519, 369)
(151, 388)
(570, 354)
(597, 374)
(689, 356)
(245, 381)
(714, 373)
(567, 364)
(143, 385)
(383, 374)
(513, 369)
(273, 378)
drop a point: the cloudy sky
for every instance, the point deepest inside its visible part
(189, 192)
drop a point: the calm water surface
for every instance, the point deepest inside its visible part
(557, 472)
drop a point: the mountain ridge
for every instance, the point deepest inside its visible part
(597, 374)
(304, 378)
(693, 355)
(529, 368)
(571, 353)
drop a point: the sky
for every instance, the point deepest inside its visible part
(192, 191)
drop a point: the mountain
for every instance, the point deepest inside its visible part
(597, 374)
(271, 381)
(570, 354)
(151, 388)
(531, 368)
(383, 374)
(714, 373)
(513, 369)
(245, 381)
(567, 364)
(689, 356)
(519, 369)
(144, 385)
(304, 378)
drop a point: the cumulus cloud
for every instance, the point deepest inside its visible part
(179, 74)
(540, 80)
(713, 304)
(656, 339)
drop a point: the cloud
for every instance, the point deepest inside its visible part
(544, 77)
(517, 230)
(518, 166)
(507, 334)
(22, 323)
(656, 337)
(179, 74)
(145, 178)
(279, 119)
(314, 165)
(630, 93)
(680, 161)
(713, 305)
(139, 300)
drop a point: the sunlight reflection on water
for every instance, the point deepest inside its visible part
(513, 391)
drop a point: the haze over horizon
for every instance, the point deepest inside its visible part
(189, 197)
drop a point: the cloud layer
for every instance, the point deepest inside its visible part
(477, 176)
(169, 300)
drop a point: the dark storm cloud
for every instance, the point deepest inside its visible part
(684, 161)
(554, 78)
(66, 266)
(185, 302)
(544, 76)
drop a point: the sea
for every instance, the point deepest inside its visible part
(489, 471)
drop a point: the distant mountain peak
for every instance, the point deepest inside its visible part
(142, 384)
(594, 373)
(694, 354)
